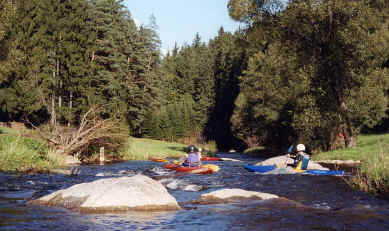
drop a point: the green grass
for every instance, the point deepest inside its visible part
(374, 174)
(22, 154)
(373, 151)
(367, 146)
(143, 149)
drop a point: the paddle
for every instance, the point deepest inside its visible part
(229, 159)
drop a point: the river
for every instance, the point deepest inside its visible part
(314, 202)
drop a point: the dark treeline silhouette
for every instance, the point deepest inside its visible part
(308, 71)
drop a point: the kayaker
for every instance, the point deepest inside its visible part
(193, 157)
(301, 158)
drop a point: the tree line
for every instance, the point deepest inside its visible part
(298, 70)
(59, 58)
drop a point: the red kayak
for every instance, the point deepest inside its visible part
(180, 168)
(171, 166)
(209, 158)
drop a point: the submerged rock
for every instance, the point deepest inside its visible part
(226, 195)
(138, 192)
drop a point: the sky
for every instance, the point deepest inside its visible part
(179, 20)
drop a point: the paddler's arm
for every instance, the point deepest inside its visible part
(290, 153)
(182, 159)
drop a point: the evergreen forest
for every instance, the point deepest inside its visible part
(312, 71)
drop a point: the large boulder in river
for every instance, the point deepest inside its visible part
(281, 161)
(138, 192)
(228, 195)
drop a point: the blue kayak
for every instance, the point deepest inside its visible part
(268, 168)
(325, 172)
(260, 168)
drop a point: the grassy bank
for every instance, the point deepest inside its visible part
(143, 149)
(367, 145)
(373, 151)
(23, 154)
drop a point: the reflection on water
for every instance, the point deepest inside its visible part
(307, 203)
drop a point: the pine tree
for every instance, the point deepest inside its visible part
(30, 84)
(124, 65)
(73, 38)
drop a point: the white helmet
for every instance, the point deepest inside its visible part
(300, 147)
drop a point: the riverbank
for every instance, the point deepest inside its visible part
(23, 151)
(144, 149)
(373, 153)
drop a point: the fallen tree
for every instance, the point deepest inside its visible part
(85, 140)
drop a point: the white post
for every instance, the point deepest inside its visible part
(102, 158)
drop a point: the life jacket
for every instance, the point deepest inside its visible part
(192, 160)
(302, 161)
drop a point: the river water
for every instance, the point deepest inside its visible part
(311, 202)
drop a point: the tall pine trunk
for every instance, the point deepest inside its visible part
(70, 105)
(53, 114)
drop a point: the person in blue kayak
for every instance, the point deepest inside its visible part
(300, 157)
(193, 158)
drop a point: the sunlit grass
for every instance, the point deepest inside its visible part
(143, 149)
(373, 151)
(374, 174)
(367, 146)
(22, 154)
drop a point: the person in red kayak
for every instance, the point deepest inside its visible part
(193, 158)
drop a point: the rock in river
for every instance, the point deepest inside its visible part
(138, 192)
(226, 195)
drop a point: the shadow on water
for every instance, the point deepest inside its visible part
(308, 202)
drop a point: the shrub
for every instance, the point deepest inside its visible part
(24, 154)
